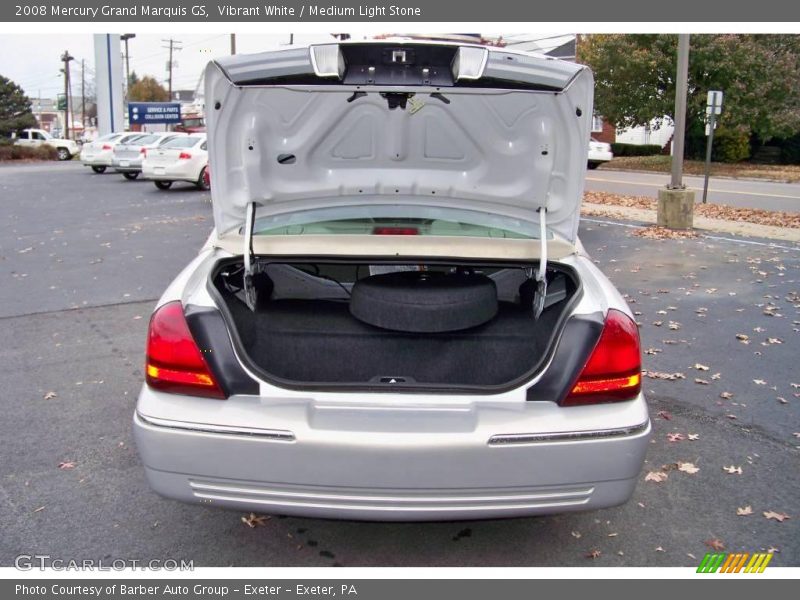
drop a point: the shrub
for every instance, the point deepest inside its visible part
(17, 152)
(620, 149)
(730, 146)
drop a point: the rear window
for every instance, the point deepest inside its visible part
(183, 142)
(397, 220)
(130, 138)
(147, 139)
(108, 137)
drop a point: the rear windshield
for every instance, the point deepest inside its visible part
(147, 139)
(397, 220)
(183, 142)
(109, 137)
(130, 138)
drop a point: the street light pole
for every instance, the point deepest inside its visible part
(65, 58)
(675, 202)
(125, 37)
(681, 88)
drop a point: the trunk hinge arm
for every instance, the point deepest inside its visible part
(251, 265)
(541, 272)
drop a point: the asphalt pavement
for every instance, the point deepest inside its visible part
(743, 193)
(83, 257)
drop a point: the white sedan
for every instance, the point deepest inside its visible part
(599, 152)
(128, 158)
(99, 154)
(394, 317)
(181, 159)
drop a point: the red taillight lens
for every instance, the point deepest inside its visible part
(174, 362)
(614, 370)
(106, 147)
(184, 156)
(395, 231)
(143, 151)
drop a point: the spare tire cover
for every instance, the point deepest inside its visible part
(424, 302)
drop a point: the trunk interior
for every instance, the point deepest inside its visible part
(303, 333)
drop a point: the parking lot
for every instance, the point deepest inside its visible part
(83, 257)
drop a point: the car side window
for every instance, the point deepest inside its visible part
(36, 135)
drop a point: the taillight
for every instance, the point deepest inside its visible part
(395, 231)
(106, 147)
(174, 363)
(184, 156)
(614, 370)
(143, 151)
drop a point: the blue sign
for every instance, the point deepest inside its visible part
(151, 113)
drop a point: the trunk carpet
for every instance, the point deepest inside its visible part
(319, 341)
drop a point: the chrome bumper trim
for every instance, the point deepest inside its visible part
(276, 435)
(507, 439)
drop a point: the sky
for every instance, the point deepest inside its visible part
(33, 61)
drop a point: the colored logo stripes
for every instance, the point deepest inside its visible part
(734, 562)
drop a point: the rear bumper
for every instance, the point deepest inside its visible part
(363, 467)
(96, 160)
(169, 173)
(600, 157)
(122, 165)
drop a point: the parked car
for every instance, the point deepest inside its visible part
(127, 157)
(99, 154)
(39, 137)
(394, 318)
(599, 152)
(192, 123)
(181, 159)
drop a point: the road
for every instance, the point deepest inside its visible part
(744, 193)
(83, 258)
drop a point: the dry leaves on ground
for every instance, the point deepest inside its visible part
(715, 544)
(594, 554)
(661, 375)
(253, 520)
(687, 467)
(656, 476)
(66, 465)
(711, 211)
(776, 516)
(732, 470)
(50, 395)
(654, 232)
(743, 512)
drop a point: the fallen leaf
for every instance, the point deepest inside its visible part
(688, 467)
(40, 509)
(660, 549)
(594, 554)
(666, 376)
(700, 367)
(675, 437)
(253, 520)
(733, 470)
(716, 376)
(743, 512)
(726, 395)
(656, 476)
(715, 544)
(674, 325)
(742, 337)
(759, 382)
(693, 437)
(50, 395)
(700, 381)
(576, 535)
(779, 517)
(664, 415)
(66, 465)
(612, 535)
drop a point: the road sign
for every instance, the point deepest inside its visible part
(714, 102)
(151, 113)
(61, 102)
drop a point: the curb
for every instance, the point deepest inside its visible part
(741, 228)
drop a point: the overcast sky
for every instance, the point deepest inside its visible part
(33, 61)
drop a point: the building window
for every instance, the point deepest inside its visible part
(597, 124)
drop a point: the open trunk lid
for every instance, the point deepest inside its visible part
(398, 123)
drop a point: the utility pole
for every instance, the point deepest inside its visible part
(65, 58)
(125, 37)
(173, 47)
(233, 44)
(83, 97)
(675, 202)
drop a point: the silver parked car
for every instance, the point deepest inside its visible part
(127, 157)
(394, 318)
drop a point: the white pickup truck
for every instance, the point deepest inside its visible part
(39, 137)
